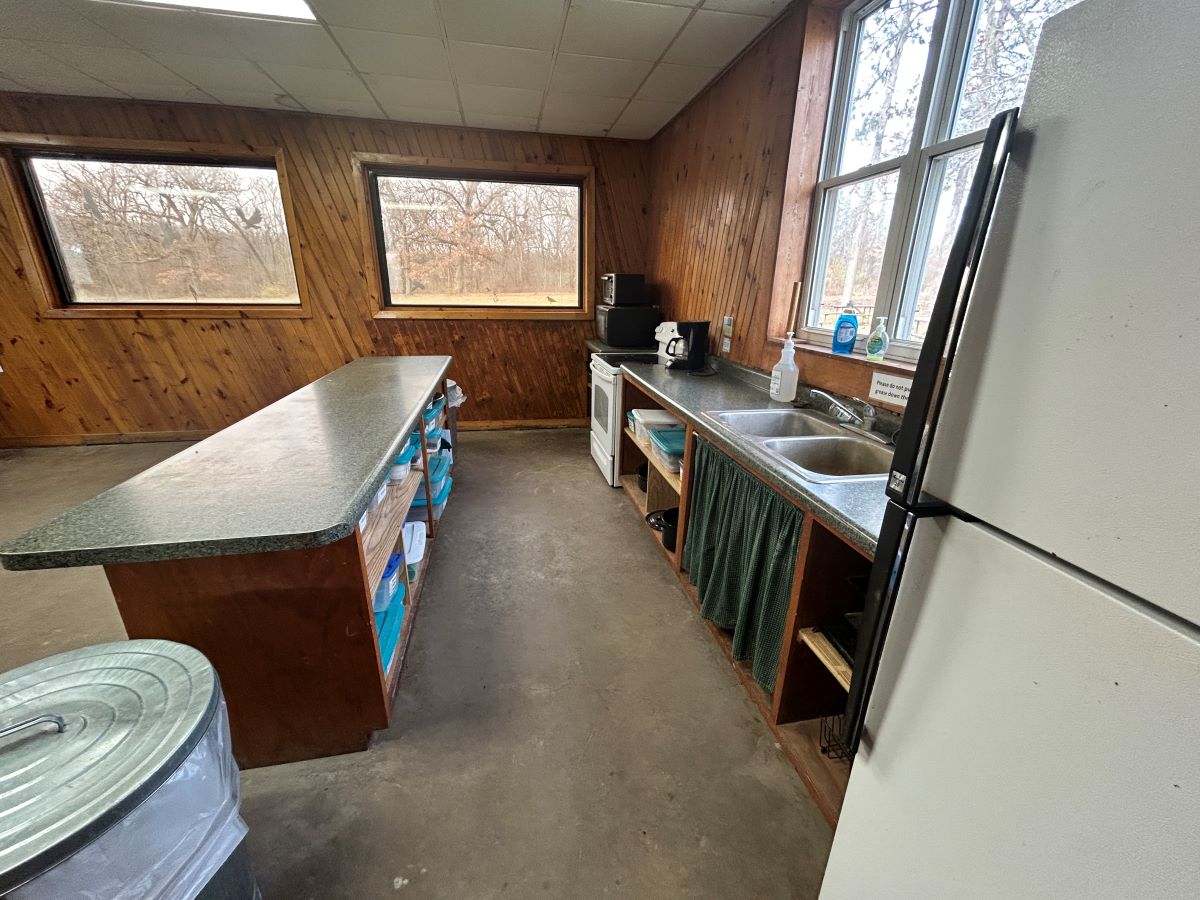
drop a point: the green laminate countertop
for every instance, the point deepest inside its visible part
(295, 474)
(854, 509)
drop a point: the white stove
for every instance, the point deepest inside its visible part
(606, 409)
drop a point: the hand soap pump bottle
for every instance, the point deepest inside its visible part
(785, 375)
(878, 340)
(845, 331)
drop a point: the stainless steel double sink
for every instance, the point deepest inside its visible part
(816, 447)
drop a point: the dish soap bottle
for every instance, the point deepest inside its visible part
(785, 375)
(845, 331)
(878, 340)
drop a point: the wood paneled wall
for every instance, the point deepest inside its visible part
(720, 174)
(71, 380)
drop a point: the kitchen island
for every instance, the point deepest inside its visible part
(252, 547)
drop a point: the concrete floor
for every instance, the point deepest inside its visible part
(565, 725)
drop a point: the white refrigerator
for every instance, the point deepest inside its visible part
(1025, 707)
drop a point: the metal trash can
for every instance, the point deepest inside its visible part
(117, 780)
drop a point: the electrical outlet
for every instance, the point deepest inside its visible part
(726, 334)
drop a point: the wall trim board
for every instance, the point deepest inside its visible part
(20, 441)
(503, 424)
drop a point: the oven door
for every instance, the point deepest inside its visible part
(606, 407)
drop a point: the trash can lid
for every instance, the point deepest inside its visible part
(129, 712)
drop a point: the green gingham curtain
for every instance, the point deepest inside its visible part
(740, 553)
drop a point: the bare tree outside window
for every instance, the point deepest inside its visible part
(133, 232)
(899, 161)
(469, 242)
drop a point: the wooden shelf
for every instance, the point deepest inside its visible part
(672, 479)
(827, 654)
(639, 500)
(384, 525)
(394, 667)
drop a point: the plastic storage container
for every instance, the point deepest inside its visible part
(414, 547)
(430, 414)
(667, 446)
(388, 583)
(120, 781)
(387, 628)
(416, 512)
(646, 419)
(439, 468)
(380, 496)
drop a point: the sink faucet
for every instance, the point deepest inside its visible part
(865, 421)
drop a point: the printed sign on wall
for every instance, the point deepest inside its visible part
(890, 388)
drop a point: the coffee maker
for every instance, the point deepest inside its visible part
(689, 349)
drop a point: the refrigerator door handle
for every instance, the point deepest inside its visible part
(895, 537)
(945, 323)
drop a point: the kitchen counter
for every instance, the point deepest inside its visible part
(297, 474)
(595, 345)
(853, 509)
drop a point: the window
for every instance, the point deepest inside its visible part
(138, 231)
(917, 82)
(448, 240)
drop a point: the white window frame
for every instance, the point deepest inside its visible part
(914, 206)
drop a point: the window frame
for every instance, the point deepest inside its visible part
(914, 205)
(39, 248)
(370, 166)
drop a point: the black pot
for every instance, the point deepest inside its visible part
(666, 521)
(642, 472)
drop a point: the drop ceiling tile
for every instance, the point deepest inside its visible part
(621, 29)
(44, 74)
(173, 92)
(502, 66)
(394, 54)
(275, 99)
(306, 83)
(505, 123)
(114, 65)
(767, 8)
(168, 30)
(643, 115)
(60, 21)
(688, 3)
(217, 75)
(499, 101)
(427, 116)
(366, 109)
(714, 38)
(598, 76)
(513, 23)
(582, 107)
(395, 16)
(414, 93)
(287, 42)
(679, 83)
(632, 132)
(570, 126)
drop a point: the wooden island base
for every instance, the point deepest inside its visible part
(291, 633)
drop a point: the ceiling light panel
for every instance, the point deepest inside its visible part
(272, 9)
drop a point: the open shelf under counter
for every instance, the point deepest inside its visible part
(673, 479)
(385, 523)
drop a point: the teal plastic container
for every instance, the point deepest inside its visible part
(845, 331)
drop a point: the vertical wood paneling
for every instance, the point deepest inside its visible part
(732, 194)
(93, 379)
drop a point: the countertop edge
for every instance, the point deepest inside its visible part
(341, 527)
(748, 454)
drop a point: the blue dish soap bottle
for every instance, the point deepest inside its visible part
(845, 331)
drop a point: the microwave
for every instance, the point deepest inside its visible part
(624, 290)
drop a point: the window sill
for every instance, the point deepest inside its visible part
(899, 366)
(474, 312)
(181, 312)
